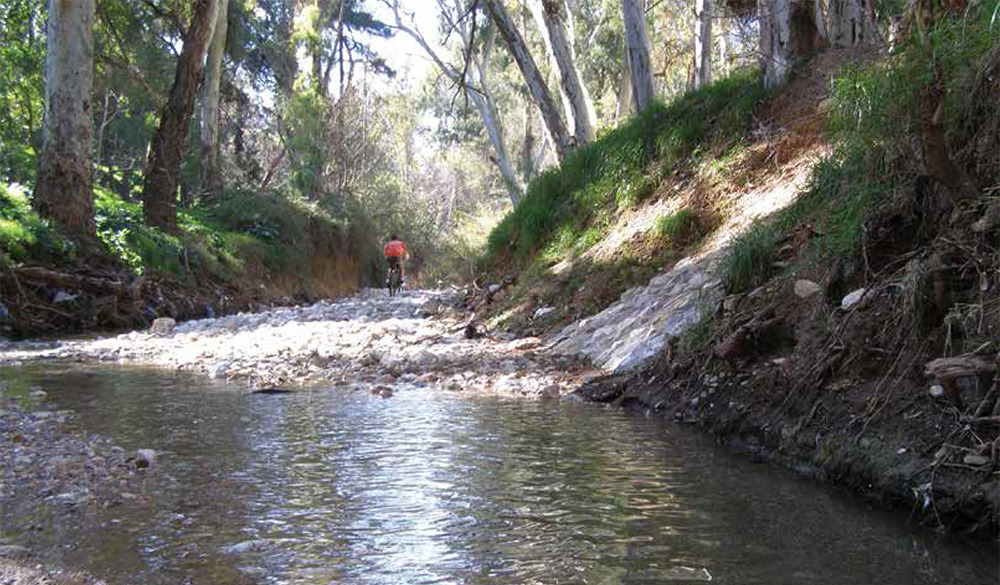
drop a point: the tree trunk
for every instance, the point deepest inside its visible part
(64, 189)
(850, 23)
(724, 50)
(819, 9)
(533, 77)
(553, 20)
(528, 146)
(787, 35)
(703, 43)
(211, 179)
(159, 192)
(637, 53)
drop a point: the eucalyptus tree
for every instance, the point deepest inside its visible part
(533, 77)
(637, 53)
(703, 43)
(159, 201)
(211, 178)
(64, 184)
(555, 20)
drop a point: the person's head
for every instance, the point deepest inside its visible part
(393, 237)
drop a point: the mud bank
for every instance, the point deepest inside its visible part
(849, 396)
(368, 340)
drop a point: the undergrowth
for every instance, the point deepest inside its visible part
(876, 111)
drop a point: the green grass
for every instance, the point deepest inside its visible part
(615, 171)
(678, 228)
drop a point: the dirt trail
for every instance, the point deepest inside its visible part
(366, 340)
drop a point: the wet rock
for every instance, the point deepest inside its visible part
(852, 299)
(144, 458)
(163, 325)
(805, 288)
(245, 547)
(383, 391)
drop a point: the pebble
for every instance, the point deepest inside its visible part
(852, 299)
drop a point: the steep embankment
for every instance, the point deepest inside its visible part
(821, 299)
(244, 253)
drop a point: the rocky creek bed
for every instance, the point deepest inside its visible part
(367, 340)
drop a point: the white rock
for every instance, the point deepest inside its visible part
(543, 311)
(937, 391)
(493, 288)
(853, 298)
(805, 288)
(163, 325)
(63, 297)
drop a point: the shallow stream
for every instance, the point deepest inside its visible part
(339, 486)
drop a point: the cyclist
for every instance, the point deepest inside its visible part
(395, 252)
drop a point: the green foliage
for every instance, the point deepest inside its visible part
(612, 171)
(679, 227)
(25, 236)
(22, 66)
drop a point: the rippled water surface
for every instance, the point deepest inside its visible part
(338, 486)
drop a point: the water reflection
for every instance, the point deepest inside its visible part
(336, 486)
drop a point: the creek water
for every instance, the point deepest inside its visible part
(333, 485)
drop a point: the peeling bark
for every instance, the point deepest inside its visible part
(159, 193)
(64, 189)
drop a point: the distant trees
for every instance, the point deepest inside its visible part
(63, 188)
(159, 193)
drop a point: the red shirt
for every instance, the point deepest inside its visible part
(395, 249)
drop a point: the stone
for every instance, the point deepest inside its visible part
(144, 458)
(244, 547)
(937, 391)
(805, 288)
(163, 325)
(383, 391)
(551, 391)
(39, 393)
(63, 297)
(13, 550)
(852, 299)
(543, 311)
(975, 460)
(493, 288)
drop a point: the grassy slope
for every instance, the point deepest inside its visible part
(570, 210)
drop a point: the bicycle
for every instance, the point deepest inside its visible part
(393, 281)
